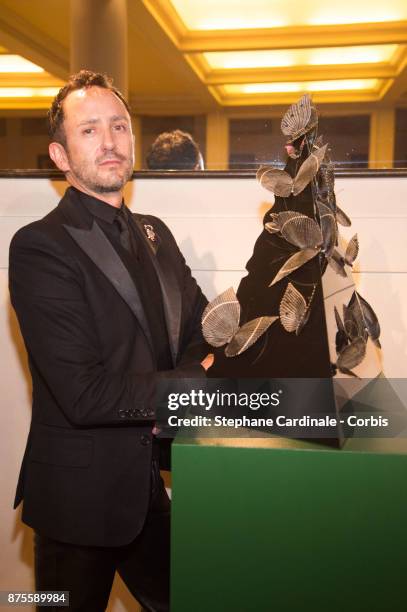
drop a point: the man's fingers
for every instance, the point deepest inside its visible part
(208, 361)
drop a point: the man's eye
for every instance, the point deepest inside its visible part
(88, 131)
(120, 127)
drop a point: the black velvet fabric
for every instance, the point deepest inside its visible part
(279, 353)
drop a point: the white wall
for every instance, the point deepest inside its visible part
(216, 222)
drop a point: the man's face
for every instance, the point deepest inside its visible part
(99, 141)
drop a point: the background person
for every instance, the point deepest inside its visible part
(174, 150)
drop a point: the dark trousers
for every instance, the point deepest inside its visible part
(87, 572)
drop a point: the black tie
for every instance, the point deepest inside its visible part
(123, 224)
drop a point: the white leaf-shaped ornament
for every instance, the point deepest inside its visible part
(368, 318)
(296, 119)
(341, 338)
(282, 184)
(275, 180)
(294, 311)
(302, 232)
(342, 218)
(293, 263)
(247, 335)
(352, 250)
(338, 320)
(271, 227)
(337, 262)
(352, 355)
(220, 325)
(308, 169)
(220, 319)
(328, 228)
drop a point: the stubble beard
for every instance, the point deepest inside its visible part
(90, 180)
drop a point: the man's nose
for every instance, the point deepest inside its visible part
(108, 142)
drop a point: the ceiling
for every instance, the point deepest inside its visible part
(190, 57)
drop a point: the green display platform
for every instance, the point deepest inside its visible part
(279, 525)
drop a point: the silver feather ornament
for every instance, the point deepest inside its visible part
(353, 321)
(275, 180)
(220, 325)
(279, 219)
(247, 335)
(371, 320)
(297, 120)
(319, 141)
(293, 263)
(298, 229)
(337, 262)
(302, 232)
(220, 319)
(308, 170)
(341, 338)
(342, 218)
(328, 228)
(352, 355)
(352, 250)
(282, 184)
(349, 372)
(323, 190)
(260, 173)
(366, 317)
(330, 180)
(338, 320)
(294, 310)
(271, 227)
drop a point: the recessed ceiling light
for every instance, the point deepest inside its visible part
(311, 86)
(237, 14)
(16, 63)
(300, 57)
(28, 92)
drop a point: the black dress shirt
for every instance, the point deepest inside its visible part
(141, 269)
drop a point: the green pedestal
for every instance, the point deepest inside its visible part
(288, 526)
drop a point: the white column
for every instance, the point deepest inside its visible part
(99, 39)
(217, 141)
(382, 134)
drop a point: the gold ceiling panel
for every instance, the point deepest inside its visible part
(253, 14)
(230, 60)
(296, 37)
(380, 61)
(250, 52)
(279, 96)
(303, 87)
(345, 90)
(24, 84)
(23, 98)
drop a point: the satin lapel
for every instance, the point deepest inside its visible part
(98, 248)
(169, 287)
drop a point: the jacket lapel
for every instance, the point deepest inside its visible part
(98, 248)
(168, 282)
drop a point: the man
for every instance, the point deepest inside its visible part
(106, 305)
(175, 150)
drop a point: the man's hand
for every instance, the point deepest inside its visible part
(208, 361)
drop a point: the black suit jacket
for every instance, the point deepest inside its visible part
(85, 477)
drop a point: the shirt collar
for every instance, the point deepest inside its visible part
(99, 208)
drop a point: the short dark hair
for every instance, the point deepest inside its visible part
(80, 80)
(174, 150)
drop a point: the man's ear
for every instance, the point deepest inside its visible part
(58, 155)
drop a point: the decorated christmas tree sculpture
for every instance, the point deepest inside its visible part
(297, 313)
